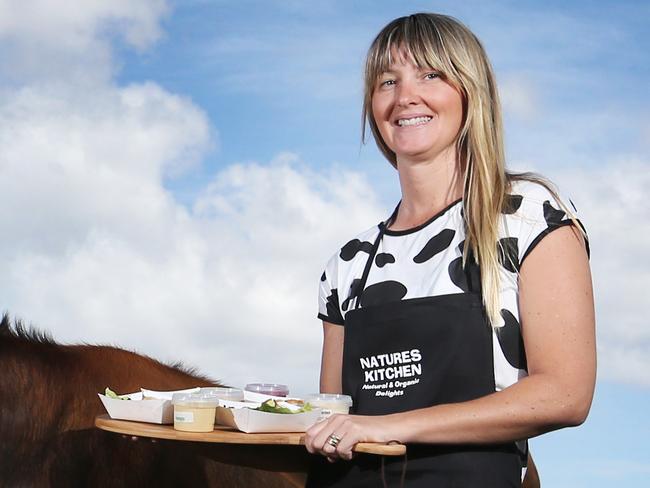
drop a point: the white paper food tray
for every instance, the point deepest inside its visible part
(253, 421)
(156, 409)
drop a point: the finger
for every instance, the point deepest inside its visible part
(352, 436)
(331, 446)
(333, 426)
(345, 452)
(311, 434)
(347, 442)
(323, 439)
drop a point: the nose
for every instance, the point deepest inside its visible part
(407, 93)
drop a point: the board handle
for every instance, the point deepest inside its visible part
(380, 449)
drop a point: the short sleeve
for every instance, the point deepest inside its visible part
(534, 211)
(329, 309)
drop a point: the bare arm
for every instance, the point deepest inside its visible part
(332, 358)
(557, 319)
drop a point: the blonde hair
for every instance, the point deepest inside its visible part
(447, 46)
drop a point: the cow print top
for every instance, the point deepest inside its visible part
(427, 261)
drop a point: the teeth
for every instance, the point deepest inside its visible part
(413, 121)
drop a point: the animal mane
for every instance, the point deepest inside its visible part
(189, 370)
(19, 330)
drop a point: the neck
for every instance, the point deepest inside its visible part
(427, 188)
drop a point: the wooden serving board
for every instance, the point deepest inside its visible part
(228, 435)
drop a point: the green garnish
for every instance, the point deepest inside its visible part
(272, 406)
(111, 394)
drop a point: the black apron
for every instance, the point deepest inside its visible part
(411, 354)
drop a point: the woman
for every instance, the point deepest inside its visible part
(464, 323)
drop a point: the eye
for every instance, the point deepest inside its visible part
(386, 82)
(431, 75)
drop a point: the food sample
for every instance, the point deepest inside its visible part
(194, 412)
(272, 389)
(288, 406)
(330, 403)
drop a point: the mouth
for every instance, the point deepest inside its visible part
(413, 121)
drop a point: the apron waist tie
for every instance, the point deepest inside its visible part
(402, 478)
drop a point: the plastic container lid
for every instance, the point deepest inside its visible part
(316, 398)
(273, 389)
(200, 399)
(223, 393)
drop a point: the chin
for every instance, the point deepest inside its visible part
(414, 155)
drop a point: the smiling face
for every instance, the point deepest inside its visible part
(417, 112)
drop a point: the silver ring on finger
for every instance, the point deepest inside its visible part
(333, 440)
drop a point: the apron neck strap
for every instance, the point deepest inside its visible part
(373, 252)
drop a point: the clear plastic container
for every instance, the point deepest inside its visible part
(194, 412)
(273, 389)
(223, 393)
(330, 403)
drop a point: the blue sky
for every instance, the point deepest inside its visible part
(179, 172)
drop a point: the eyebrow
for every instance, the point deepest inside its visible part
(419, 68)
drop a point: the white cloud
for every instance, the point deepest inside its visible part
(232, 285)
(76, 26)
(95, 158)
(72, 40)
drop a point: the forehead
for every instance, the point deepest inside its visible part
(401, 56)
(407, 55)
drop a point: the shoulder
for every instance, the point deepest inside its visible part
(531, 196)
(534, 208)
(361, 243)
(538, 201)
(343, 263)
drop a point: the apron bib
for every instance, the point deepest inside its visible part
(411, 354)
